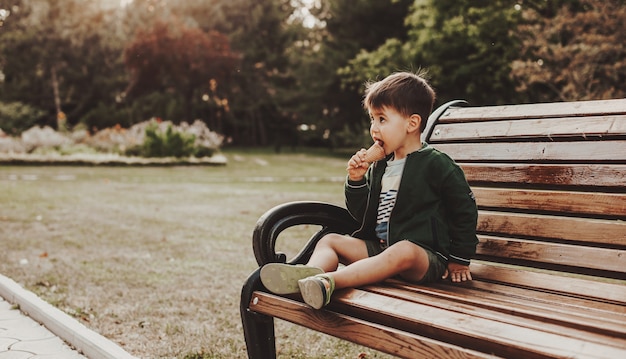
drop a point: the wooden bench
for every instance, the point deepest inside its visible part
(550, 273)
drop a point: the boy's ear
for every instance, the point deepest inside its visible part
(414, 123)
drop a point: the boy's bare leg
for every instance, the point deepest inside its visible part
(333, 249)
(404, 258)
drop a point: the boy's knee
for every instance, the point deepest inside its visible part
(405, 248)
(406, 254)
(329, 240)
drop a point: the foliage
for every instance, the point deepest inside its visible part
(168, 143)
(260, 32)
(171, 56)
(16, 117)
(466, 47)
(573, 51)
(102, 115)
(253, 71)
(479, 43)
(59, 56)
(318, 96)
(264, 81)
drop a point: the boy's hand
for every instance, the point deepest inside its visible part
(457, 272)
(357, 166)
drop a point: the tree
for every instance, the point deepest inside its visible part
(572, 50)
(174, 58)
(261, 32)
(466, 47)
(59, 56)
(350, 27)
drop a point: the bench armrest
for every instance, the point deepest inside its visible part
(332, 219)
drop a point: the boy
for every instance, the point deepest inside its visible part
(417, 212)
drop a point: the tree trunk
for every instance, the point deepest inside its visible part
(61, 118)
(261, 130)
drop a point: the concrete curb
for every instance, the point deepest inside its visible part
(90, 343)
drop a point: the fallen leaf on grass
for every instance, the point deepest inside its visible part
(43, 283)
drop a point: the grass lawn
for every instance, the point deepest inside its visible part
(154, 258)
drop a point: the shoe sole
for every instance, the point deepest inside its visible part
(280, 278)
(313, 292)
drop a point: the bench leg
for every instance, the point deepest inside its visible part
(258, 329)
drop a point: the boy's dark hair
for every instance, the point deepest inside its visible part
(405, 92)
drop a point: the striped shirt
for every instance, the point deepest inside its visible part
(390, 185)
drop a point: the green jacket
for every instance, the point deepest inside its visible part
(435, 207)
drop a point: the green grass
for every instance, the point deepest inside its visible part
(154, 257)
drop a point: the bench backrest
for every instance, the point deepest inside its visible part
(549, 180)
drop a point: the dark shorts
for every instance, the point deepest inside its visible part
(436, 264)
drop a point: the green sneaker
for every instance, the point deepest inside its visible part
(317, 290)
(280, 278)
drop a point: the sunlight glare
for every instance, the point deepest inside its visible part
(302, 12)
(3, 15)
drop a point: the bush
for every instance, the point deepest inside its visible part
(44, 137)
(170, 143)
(16, 117)
(105, 116)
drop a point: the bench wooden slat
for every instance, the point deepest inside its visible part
(385, 339)
(587, 152)
(545, 307)
(478, 290)
(575, 175)
(563, 228)
(569, 202)
(570, 286)
(474, 328)
(609, 312)
(552, 253)
(518, 338)
(536, 110)
(544, 129)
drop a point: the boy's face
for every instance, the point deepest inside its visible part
(390, 127)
